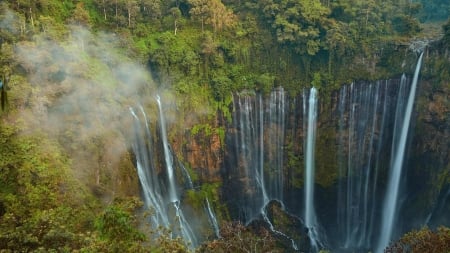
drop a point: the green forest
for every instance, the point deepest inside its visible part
(70, 69)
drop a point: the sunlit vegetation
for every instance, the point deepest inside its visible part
(423, 240)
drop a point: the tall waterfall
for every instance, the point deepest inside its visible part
(249, 150)
(399, 146)
(148, 178)
(161, 197)
(310, 214)
(259, 148)
(362, 117)
(275, 132)
(373, 119)
(167, 155)
(259, 145)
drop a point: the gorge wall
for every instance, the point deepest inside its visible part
(253, 154)
(264, 145)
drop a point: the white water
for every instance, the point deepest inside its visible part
(151, 187)
(272, 228)
(249, 150)
(213, 219)
(390, 203)
(167, 154)
(360, 144)
(150, 190)
(184, 228)
(275, 133)
(259, 149)
(187, 177)
(310, 215)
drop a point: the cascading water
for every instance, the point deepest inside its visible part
(390, 203)
(164, 200)
(259, 148)
(167, 154)
(360, 139)
(275, 132)
(151, 190)
(213, 219)
(184, 227)
(189, 184)
(249, 150)
(366, 129)
(310, 215)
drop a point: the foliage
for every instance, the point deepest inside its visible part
(424, 240)
(208, 191)
(212, 12)
(41, 209)
(238, 238)
(446, 38)
(117, 228)
(433, 10)
(301, 23)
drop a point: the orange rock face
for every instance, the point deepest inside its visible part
(204, 154)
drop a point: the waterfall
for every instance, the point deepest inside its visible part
(372, 118)
(187, 177)
(368, 127)
(167, 154)
(275, 132)
(272, 228)
(167, 211)
(146, 171)
(360, 139)
(212, 219)
(184, 227)
(390, 202)
(249, 151)
(259, 148)
(310, 215)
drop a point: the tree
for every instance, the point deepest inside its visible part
(446, 38)
(199, 10)
(298, 23)
(81, 15)
(212, 12)
(176, 14)
(151, 8)
(132, 8)
(219, 16)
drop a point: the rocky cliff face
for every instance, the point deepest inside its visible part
(428, 178)
(204, 153)
(349, 141)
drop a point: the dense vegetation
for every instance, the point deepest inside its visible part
(60, 59)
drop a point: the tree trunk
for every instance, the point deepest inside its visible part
(202, 25)
(104, 9)
(330, 61)
(175, 27)
(116, 10)
(31, 18)
(129, 17)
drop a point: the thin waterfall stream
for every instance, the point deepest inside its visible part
(310, 214)
(392, 193)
